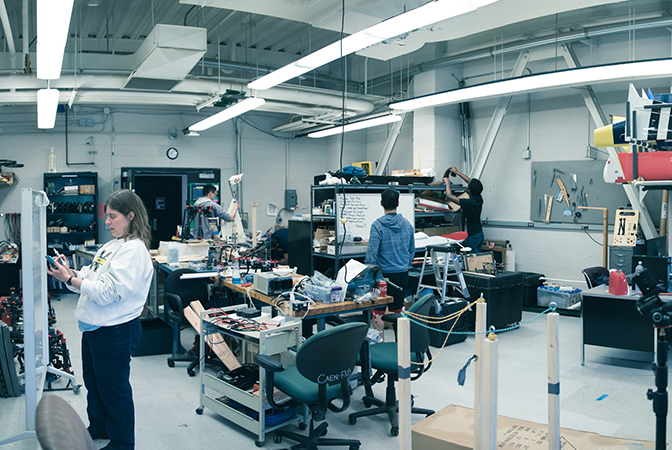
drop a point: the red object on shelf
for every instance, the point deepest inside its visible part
(651, 166)
(618, 283)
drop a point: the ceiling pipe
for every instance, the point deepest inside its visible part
(190, 92)
(8, 29)
(532, 44)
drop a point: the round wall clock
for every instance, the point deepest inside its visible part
(172, 153)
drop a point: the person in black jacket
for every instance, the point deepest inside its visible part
(471, 208)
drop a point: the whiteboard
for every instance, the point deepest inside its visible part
(361, 210)
(34, 274)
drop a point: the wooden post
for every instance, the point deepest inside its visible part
(605, 231)
(490, 370)
(553, 322)
(481, 321)
(254, 222)
(404, 383)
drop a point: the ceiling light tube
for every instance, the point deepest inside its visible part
(53, 22)
(47, 104)
(422, 16)
(229, 113)
(564, 78)
(356, 126)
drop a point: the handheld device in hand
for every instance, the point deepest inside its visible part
(51, 261)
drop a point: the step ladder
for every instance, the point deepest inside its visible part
(451, 267)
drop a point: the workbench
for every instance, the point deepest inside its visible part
(318, 311)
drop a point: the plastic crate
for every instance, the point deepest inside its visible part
(563, 297)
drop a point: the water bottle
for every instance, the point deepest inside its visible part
(235, 279)
(52, 161)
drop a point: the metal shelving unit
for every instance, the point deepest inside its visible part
(318, 194)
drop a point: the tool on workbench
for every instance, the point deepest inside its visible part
(555, 172)
(564, 191)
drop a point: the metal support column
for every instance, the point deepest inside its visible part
(600, 120)
(389, 145)
(497, 118)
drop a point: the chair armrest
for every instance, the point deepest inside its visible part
(268, 363)
(391, 318)
(175, 313)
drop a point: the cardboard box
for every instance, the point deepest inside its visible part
(452, 428)
(407, 172)
(87, 189)
(498, 248)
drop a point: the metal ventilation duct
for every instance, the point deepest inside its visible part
(166, 56)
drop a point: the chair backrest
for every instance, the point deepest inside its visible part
(420, 334)
(59, 427)
(330, 355)
(591, 275)
(186, 290)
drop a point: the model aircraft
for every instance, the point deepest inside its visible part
(651, 128)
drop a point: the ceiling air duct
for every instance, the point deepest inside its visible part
(166, 56)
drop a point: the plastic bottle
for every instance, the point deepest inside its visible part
(235, 278)
(52, 161)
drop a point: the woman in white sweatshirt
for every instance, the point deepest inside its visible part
(113, 290)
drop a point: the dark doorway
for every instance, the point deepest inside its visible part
(162, 195)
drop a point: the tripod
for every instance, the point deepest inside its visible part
(650, 305)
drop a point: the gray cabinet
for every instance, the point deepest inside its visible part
(620, 258)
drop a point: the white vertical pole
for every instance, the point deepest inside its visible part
(490, 371)
(481, 321)
(404, 383)
(553, 321)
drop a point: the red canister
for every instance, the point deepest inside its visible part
(618, 283)
(382, 288)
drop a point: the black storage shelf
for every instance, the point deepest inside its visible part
(62, 241)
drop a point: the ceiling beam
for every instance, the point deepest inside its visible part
(8, 29)
(130, 16)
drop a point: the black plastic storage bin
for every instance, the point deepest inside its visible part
(531, 281)
(503, 292)
(436, 338)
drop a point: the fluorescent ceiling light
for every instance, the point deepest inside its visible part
(356, 126)
(53, 22)
(564, 78)
(229, 113)
(424, 15)
(47, 104)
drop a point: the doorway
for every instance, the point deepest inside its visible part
(163, 198)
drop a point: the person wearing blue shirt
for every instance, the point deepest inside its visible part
(392, 246)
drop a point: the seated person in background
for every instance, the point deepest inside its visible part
(202, 227)
(280, 246)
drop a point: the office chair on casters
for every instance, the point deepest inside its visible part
(178, 294)
(592, 274)
(321, 374)
(59, 427)
(383, 358)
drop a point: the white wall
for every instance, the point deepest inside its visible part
(141, 140)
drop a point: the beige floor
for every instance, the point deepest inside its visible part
(166, 398)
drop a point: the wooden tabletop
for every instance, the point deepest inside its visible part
(315, 310)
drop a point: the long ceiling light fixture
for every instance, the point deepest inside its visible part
(53, 22)
(47, 104)
(565, 78)
(424, 15)
(229, 113)
(356, 126)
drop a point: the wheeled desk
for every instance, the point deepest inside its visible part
(613, 321)
(215, 394)
(318, 311)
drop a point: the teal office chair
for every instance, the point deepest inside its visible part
(383, 358)
(321, 374)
